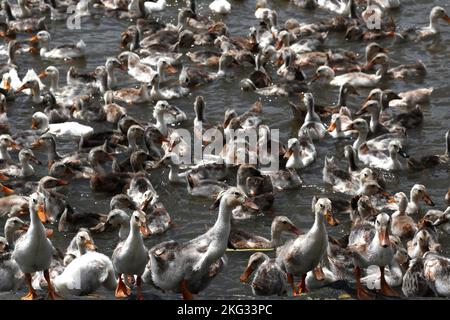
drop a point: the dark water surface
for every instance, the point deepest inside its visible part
(191, 216)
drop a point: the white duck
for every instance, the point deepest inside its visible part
(304, 253)
(312, 124)
(370, 245)
(402, 225)
(437, 270)
(433, 29)
(33, 251)
(356, 79)
(418, 193)
(188, 268)
(66, 52)
(130, 256)
(40, 121)
(301, 153)
(25, 169)
(86, 273)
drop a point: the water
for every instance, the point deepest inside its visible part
(191, 216)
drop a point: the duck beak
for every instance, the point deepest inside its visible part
(24, 227)
(391, 200)
(42, 214)
(123, 67)
(295, 230)
(171, 69)
(7, 85)
(288, 153)
(331, 219)
(332, 126)
(42, 75)
(385, 50)
(14, 146)
(164, 139)
(446, 18)
(48, 233)
(250, 204)
(90, 245)
(403, 153)
(350, 127)
(384, 238)
(23, 87)
(144, 230)
(279, 45)
(427, 200)
(3, 177)
(246, 274)
(361, 111)
(441, 220)
(35, 160)
(280, 61)
(34, 39)
(315, 78)
(33, 50)
(36, 143)
(7, 190)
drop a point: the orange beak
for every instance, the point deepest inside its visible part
(163, 139)
(22, 88)
(7, 85)
(34, 125)
(279, 45)
(280, 60)
(42, 75)
(33, 50)
(34, 39)
(446, 18)
(36, 143)
(42, 214)
(384, 238)
(331, 219)
(48, 233)
(247, 273)
(90, 245)
(3, 177)
(7, 190)
(332, 126)
(144, 230)
(288, 154)
(15, 146)
(428, 200)
(171, 69)
(391, 200)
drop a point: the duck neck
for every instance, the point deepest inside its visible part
(10, 236)
(81, 250)
(221, 71)
(36, 95)
(11, 53)
(52, 155)
(4, 153)
(103, 83)
(342, 100)
(362, 137)
(8, 11)
(134, 237)
(374, 120)
(319, 225)
(447, 144)
(54, 82)
(434, 23)
(296, 158)
(111, 77)
(223, 222)
(36, 227)
(161, 73)
(45, 46)
(143, 92)
(402, 207)
(352, 167)
(26, 168)
(161, 124)
(275, 236)
(414, 199)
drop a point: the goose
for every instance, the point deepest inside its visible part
(269, 278)
(33, 251)
(67, 129)
(338, 122)
(303, 254)
(130, 256)
(87, 272)
(370, 245)
(25, 169)
(188, 268)
(220, 6)
(30, 24)
(66, 52)
(240, 239)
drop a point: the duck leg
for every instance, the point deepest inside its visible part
(385, 288)
(139, 295)
(290, 280)
(302, 286)
(122, 291)
(51, 291)
(31, 293)
(130, 279)
(187, 295)
(361, 292)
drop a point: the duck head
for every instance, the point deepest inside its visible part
(323, 207)
(232, 198)
(420, 192)
(382, 227)
(254, 262)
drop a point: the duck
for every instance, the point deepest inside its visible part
(433, 29)
(418, 192)
(67, 129)
(356, 79)
(240, 239)
(402, 225)
(87, 272)
(312, 124)
(304, 253)
(112, 111)
(12, 49)
(189, 267)
(220, 6)
(409, 99)
(33, 251)
(436, 269)
(414, 283)
(373, 108)
(338, 122)
(25, 169)
(269, 278)
(10, 275)
(420, 244)
(205, 187)
(300, 153)
(371, 245)
(116, 218)
(429, 161)
(380, 160)
(79, 245)
(289, 71)
(151, 7)
(191, 77)
(130, 256)
(404, 71)
(339, 7)
(65, 52)
(30, 24)
(442, 219)
(167, 93)
(6, 141)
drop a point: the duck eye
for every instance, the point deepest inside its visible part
(284, 222)
(321, 206)
(237, 194)
(378, 222)
(82, 238)
(136, 218)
